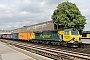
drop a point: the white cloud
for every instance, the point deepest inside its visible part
(17, 13)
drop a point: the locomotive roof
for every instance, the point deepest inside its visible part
(71, 29)
(68, 29)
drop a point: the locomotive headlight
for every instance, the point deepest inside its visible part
(76, 39)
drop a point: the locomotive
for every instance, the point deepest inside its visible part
(64, 37)
(86, 35)
(67, 37)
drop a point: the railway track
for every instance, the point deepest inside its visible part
(54, 52)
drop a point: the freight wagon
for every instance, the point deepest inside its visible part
(8, 36)
(14, 36)
(26, 36)
(1, 36)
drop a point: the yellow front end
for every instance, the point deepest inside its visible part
(68, 37)
(32, 36)
(71, 37)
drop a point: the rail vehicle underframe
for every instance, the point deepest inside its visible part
(74, 44)
(71, 43)
(59, 42)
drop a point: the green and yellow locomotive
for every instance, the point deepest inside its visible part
(67, 37)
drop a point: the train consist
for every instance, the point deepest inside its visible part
(64, 37)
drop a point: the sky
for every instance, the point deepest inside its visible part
(18, 13)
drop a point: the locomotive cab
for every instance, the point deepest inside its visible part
(71, 37)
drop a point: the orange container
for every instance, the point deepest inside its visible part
(8, 36)
(24, 35)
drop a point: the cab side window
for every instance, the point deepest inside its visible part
(66, 33)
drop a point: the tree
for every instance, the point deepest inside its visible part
(67, 15)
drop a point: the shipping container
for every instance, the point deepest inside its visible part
(15, 36)
(11, 36)
(24, 35)
(8, 36)
(4, 36)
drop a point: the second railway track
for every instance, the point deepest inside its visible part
(54, 52)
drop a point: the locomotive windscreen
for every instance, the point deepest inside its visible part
(74, 32)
